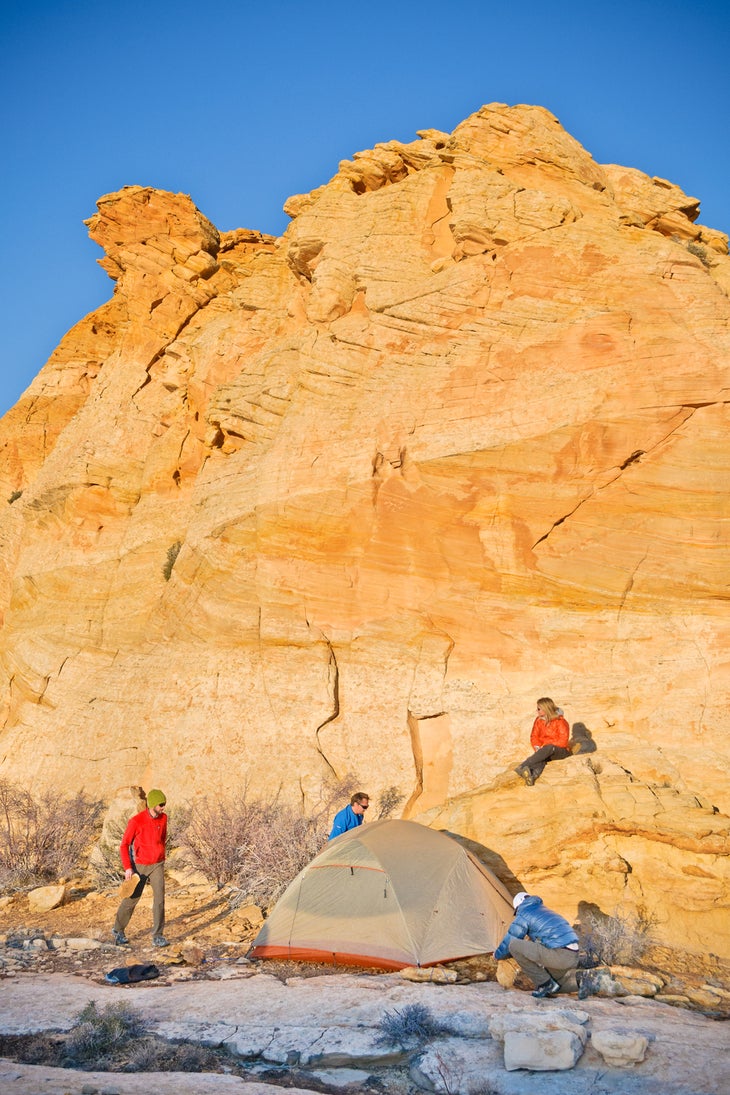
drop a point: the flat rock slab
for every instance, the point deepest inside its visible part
(33, 1079)
(333, 1019)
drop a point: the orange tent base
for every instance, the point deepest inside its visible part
(339, 958)
(330, 958)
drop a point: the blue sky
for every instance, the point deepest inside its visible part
(241, 104)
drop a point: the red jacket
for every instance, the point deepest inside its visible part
(148, 835)
(555, 732)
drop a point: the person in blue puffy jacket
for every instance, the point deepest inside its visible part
(542, 943)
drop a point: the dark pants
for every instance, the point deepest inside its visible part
(541, 963)
(155, 875)
(541, 756)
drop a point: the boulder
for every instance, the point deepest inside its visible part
(535, 1022)
(544, 1051)
(619, 1049)
(45, 898)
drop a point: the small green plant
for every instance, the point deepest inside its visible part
(100, 1034)
(621, 939)
(409, 1027)
(45, 838)
(699, 252)
(172, 553)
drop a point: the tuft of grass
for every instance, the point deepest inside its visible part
(409, 1027)
(45, 838)
(100, 1034)
(172, 553)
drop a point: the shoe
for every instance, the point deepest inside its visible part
(159, 941)
(120, 938)
(526, 774)
(550, 988)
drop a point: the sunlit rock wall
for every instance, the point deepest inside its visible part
(350, 500)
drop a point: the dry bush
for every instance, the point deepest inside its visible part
(101, 1034)
(409, 1026)
(105, 865)
(389, 801)
(257, 846)
(45, 838)
(153, 1055)
(618, 940)
(699, 252)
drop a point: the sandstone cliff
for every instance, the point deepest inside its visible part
(353, 498)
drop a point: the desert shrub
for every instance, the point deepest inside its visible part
(43, 838)
(409, 1026)
(152, 1055)
(620, 939)
(389, 801)
(14, 496)
(105, 865)
(699, 252)
(99, 1034)
(172, 553)
(257, 846)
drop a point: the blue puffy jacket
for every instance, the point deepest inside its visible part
(541, 924)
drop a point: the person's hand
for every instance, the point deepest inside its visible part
(128, 874)
(507, 970)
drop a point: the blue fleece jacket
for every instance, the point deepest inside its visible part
(344, 821)
(540, 923)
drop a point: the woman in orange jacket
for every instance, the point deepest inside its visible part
(549, 739)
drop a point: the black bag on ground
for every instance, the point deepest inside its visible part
(128, 975)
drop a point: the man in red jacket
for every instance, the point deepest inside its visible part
(143, 852)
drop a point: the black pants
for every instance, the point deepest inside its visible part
(541, 756)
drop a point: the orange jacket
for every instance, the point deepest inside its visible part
(555, 732)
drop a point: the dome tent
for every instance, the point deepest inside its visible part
(388, 894)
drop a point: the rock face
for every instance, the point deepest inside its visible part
(351, 499)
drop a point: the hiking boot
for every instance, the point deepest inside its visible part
(159, 941)
(586, 984)
(550, 988)
(120, 938)
(526, 774)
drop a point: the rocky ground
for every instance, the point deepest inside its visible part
(269, 1026)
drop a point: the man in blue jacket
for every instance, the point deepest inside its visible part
(351, 816)
(542, 943)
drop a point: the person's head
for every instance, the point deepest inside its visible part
(360, 802)
(518, 899)
(547, 708)
(156, 802)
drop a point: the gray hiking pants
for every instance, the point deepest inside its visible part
(154, 874)
(541, 963)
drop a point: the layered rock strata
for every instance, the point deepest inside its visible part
(349, 500)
